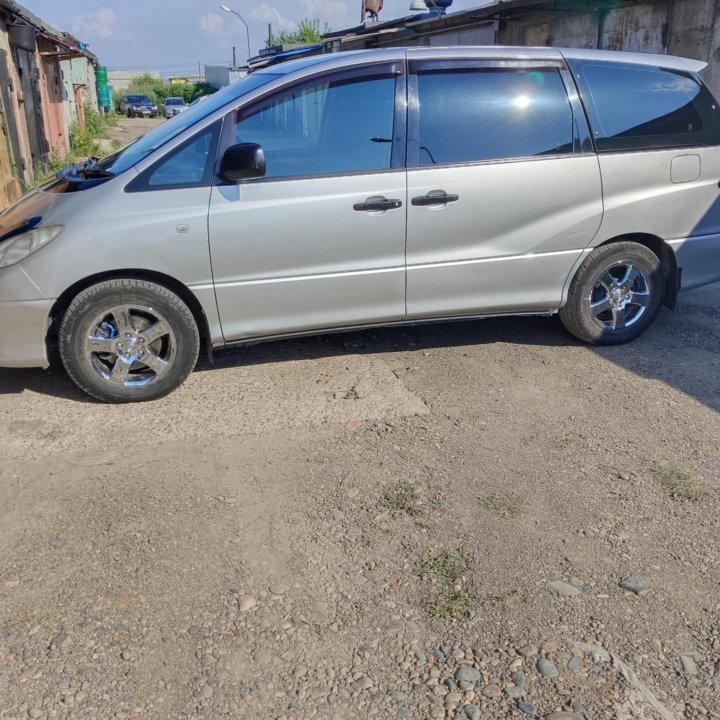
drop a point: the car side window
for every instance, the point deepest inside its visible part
(190, 165)
(479, 114)
(635, 108)
(324, 128)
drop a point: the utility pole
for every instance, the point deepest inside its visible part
(234, 60)
(269, 34)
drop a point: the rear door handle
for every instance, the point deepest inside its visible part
(434, 197)
(377, 203)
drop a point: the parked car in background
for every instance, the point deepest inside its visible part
(174, 106)
(371, 188)
(138, 106)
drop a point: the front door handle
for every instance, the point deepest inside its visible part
(434, 197)
(377, 203)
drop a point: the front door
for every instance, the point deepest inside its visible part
(319, 242)
(503, 197)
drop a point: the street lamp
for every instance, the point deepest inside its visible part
(247, 29)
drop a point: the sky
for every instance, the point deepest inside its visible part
(173, 36)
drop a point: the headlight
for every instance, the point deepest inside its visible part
(19, 247)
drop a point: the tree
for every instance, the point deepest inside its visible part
(308, 33)
(145, 84)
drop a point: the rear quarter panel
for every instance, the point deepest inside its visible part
(644, 193)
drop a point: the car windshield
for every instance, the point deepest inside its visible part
(138, 99)
(132, 154)
(174, 101)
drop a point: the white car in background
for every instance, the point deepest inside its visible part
(174, 106)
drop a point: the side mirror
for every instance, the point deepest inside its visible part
(242, 162)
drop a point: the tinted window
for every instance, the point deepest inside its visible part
(472, 115)
(327, 128)
(190, 165)
(634, 107)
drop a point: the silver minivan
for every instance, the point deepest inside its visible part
(369, 188)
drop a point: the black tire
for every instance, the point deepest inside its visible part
(128, 340)
(129, 113)
(615, 295)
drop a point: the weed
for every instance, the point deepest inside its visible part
(439, 504)
(505, 505)
(453, 604)
(402, 496)
(82, 144)
(115, 144)
(571, 440)
(511, 598)
(445, 565)
(82, 141)
(679, 483)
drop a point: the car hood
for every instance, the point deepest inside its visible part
(29, 211)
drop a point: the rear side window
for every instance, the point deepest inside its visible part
(634, 107)
(473, 115)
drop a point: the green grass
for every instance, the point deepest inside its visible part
(402, 496)
(509, 505)
(83, 144)
(679, 483)
(570, 441)
(453, 604)
(445, 566)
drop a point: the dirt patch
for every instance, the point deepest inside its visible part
(417, 523)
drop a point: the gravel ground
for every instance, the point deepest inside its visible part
(464, 520)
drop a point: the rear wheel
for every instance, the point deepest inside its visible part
(128, 340)
(615, 295)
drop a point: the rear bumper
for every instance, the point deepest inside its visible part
(23, 326)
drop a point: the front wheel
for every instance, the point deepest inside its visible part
(128, 340)
(615, 295)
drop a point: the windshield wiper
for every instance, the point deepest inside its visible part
(90, 169)
(87, 170)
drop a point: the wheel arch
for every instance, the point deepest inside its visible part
(655, 244)
(180, 289)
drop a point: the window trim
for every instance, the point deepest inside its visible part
(141, 182)
(580, 130)
(640, 143)
(393, 68)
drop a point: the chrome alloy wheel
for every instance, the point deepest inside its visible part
(620, 295)
(130, 345)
